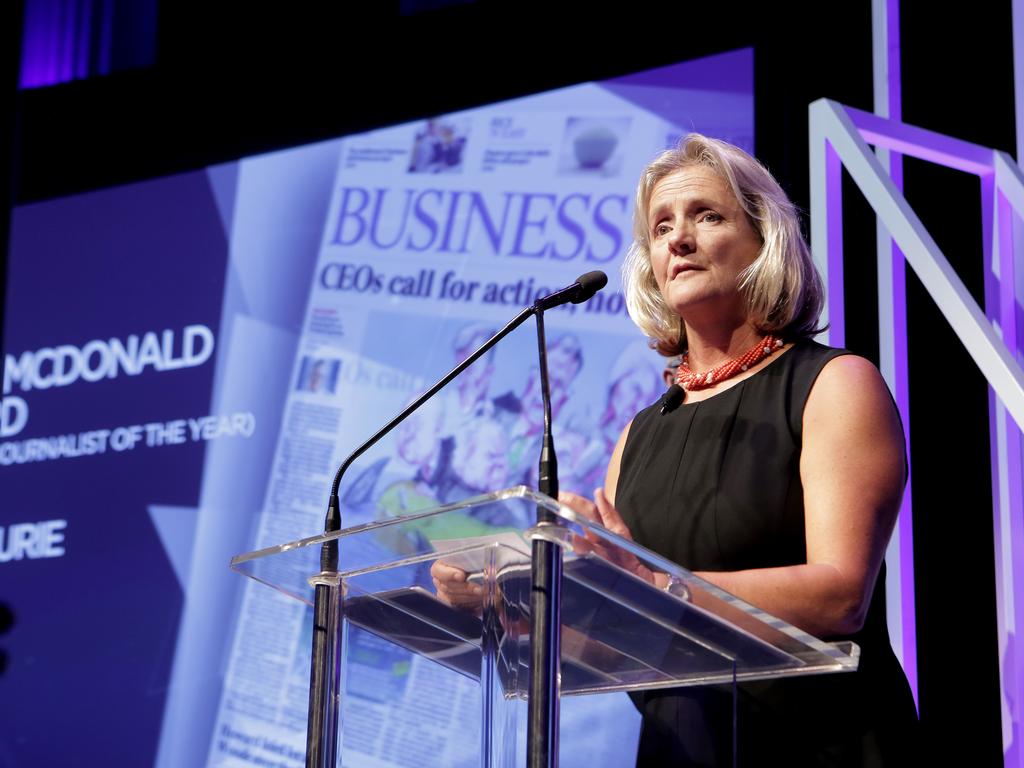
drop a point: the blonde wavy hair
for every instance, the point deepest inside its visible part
(782, 288)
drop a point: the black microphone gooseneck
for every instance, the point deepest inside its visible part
(547, 477)
(324, 693)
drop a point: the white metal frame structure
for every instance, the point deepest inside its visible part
(839, 138)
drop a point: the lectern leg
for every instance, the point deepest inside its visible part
(545, 636)
(498, 711)
(325, 675)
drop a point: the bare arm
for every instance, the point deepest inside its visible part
(852, 470)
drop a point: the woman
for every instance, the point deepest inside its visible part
(779, 477)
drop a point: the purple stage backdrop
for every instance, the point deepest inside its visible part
(187, 359)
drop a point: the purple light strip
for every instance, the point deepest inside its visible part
(37, 65)
(901, 393)
(1008, 491)
(992, 301)
(888, 104)
(1017, 24)
(1014, 235)
(1012, 682)
(1000, 429)
(834, 211)
(894, 75)
(56, 40)
(1007, 274)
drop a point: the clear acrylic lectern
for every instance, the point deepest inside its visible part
(631, 620)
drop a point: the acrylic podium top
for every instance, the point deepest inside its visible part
(631, 620)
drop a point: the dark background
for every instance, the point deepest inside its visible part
(224, 81)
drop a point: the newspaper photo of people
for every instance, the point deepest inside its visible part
(438, 146)
(484, 433)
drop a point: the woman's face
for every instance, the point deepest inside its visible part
(701, 240)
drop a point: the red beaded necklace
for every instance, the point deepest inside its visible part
(691, 381)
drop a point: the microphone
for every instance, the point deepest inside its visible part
(584, 287)
(322, 711)
(672, 399)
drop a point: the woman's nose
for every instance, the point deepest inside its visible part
(682, 240)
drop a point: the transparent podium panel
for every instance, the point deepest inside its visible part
(630, 620)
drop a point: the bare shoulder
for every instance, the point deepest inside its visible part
(850, 368)
(849, 384)
(849, 407)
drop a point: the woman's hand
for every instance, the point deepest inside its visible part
(602, 511)
(453, 586)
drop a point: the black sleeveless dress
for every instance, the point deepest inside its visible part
(715, 486)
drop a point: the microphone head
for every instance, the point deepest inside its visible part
(589, 284)
(672, 399)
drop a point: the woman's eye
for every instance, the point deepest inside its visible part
(661, 229)
(710, 216)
